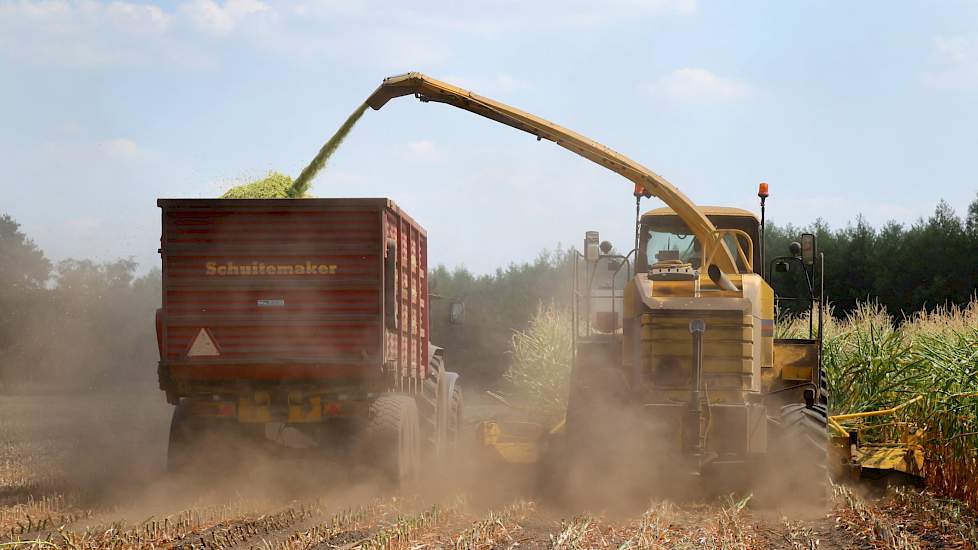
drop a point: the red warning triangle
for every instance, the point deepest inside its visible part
(203, 346)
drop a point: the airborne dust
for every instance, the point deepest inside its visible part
(85, 460)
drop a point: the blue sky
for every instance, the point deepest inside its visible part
(846, 108)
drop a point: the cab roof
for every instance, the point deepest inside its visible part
(708, 210)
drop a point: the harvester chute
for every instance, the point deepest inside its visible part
(428, 89)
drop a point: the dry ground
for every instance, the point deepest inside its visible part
(88, 473)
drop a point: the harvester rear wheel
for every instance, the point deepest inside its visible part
(394, 438)
(455, 423)
(600, 434)
(802, 447)
(428, 410)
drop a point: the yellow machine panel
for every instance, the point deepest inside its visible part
(795, 359)
(728, 350)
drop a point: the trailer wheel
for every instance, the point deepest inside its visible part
(802, 452)
(202, 444)
(394, 438)
(179, 443)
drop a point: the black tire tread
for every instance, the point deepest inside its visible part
(383, 434)
(805, 442)
(386, 412)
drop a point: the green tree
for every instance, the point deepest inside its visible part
(932, 263)
(496, 305)
(23, 266)
(23, 273)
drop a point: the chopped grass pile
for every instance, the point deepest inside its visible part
(272, 186)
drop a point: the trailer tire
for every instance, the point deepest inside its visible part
(394, 438)
(184, 432)
(203, 444)
(802, 452)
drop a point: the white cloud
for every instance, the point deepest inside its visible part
(330, 8)
(700, 85)
(69, 17)
(137, 18)
(587, 12)
(955, 64)
(424, 150)
(395, 36)
(122, 148)
(116, 33)
(212, 17)
(81, 34)
(119, 150)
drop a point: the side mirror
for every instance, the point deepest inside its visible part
(456, 313)
(808, 248)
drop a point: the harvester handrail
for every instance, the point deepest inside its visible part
(835, 422)
(427, 89)
(747, 259)
(882, 412)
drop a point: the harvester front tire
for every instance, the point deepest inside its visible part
(455, 423)
(803, 451)
(428, 408)
(394, 438)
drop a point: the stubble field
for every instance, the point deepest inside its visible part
(87, 473)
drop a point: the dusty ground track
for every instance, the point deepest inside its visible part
(82, 489)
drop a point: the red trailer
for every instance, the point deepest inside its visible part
(309, 313)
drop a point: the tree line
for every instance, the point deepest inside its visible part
(930, 263)
(73, 323)
(88, 323)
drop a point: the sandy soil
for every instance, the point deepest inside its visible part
(88, 473)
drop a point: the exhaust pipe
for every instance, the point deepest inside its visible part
(695, 447)
(720, 279)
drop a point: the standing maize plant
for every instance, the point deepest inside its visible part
(540, 370)
(931, 360)
(869, 363)
(949, 411)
